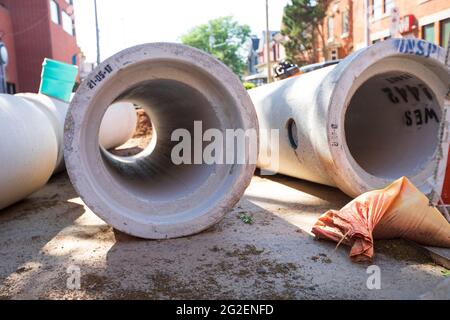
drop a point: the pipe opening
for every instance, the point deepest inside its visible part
(292, 133)
(151, 174)
(143, 135)
(392, 125)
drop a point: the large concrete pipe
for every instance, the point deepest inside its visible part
(28, 149)
(363, 123)
(148, 195)
(31, 147)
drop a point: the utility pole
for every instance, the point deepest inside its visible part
(269, 67)
(366, 22)
(3, 63)
(97, 32)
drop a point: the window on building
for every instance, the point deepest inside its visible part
(54, 11)
(334, 55)
(428, 32)
(388, 6)
(67, 23)
(445, 32)
(330, 23)
(345, 23)
(377, 8)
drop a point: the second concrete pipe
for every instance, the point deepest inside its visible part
(359, 125)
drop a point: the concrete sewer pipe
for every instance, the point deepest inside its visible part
(365, 122)
(31, 147)
(148, 195)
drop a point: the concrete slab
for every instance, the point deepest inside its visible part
(275, 257)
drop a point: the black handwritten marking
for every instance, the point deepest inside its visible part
(409, 121)
(426, 91)
(421, 116)
(396, 79)
(431, 114)
(414, 91)
(391, 95)
(100, 76)
(108, 68)
(418, 115)
(403, 93)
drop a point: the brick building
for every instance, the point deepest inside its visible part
(344, 27)
(425, 19)
(7, 37)
(257, 57)
(32, 31)
(337, 32)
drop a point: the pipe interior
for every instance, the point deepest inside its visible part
(151, 174)
(392, 125)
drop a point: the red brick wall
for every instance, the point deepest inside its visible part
(64, 46)
(36, 37)
(7, 36)
(32, 39)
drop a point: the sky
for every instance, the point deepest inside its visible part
(131, 22)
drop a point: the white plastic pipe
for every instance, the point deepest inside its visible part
(31, 147)
(149, 195)
(28, 149)
(364, 123)
(118, 125)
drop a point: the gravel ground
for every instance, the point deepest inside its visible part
(263, 249)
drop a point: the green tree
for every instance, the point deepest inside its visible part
(222, 37)
(302, 24)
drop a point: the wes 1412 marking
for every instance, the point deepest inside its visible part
(396, 93)
(419, 117)
(100, 76)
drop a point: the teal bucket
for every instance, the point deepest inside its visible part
(58, 79)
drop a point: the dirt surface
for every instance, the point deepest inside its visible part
(263, 249)
(144, 126)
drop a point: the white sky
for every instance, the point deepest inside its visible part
(131, 22)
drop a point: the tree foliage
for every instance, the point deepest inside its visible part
(302, 21)
(222, 37)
